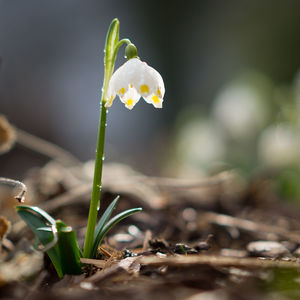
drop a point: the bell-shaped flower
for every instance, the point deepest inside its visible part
(133, 80)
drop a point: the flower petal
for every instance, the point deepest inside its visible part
(130, 98)
(155, 100)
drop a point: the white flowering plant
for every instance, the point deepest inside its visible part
(133, 80)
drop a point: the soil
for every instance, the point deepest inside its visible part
(202, 238)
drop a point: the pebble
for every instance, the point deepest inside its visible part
(267, 249)
(233, 253)
(123, 238)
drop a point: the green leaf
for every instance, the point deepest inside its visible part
(112, 39)
(65, 255)
(116, 219)
(103, 220)
(69, 249)
(38, 211)
(37, 220)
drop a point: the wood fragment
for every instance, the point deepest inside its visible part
(95, 262)
(217, 261)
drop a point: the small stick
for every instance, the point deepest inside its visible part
(21, 196)
(216, 261)
(247, 225)
(104, 251)
(46, 148)
(75, 195)
(180, 183)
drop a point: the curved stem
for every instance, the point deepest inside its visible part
(119, 44)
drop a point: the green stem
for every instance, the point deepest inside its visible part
(96, 192)
(118, 45)
(112, 45)
(97, 181)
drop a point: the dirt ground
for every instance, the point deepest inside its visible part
(217, 237)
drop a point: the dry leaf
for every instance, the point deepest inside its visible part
(7, 135)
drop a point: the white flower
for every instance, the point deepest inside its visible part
(278, 146)
(200, 146)
(133, 80)
(240, 110)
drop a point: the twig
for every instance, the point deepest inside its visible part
(21, 196)
(72, 196)
(247, 225)
(180, 183)
(46, 148)
(220, 261)
(140, 191)
(95, 262)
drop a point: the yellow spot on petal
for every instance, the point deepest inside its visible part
(131, 85)
(122, 91)
(155, 99)
(158, 92)
(144, 88)
(129, 102)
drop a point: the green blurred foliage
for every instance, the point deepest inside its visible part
(283, 281)
(252, 125)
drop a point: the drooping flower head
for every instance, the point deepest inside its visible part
(135, 79)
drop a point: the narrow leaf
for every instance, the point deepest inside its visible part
(112, 39)
(34, 209)
(116, 219)
(103, 220)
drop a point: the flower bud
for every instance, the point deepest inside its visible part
(130, 51)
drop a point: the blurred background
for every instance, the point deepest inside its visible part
(230, 70)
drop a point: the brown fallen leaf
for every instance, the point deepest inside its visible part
(7, 135)
(4, 227)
